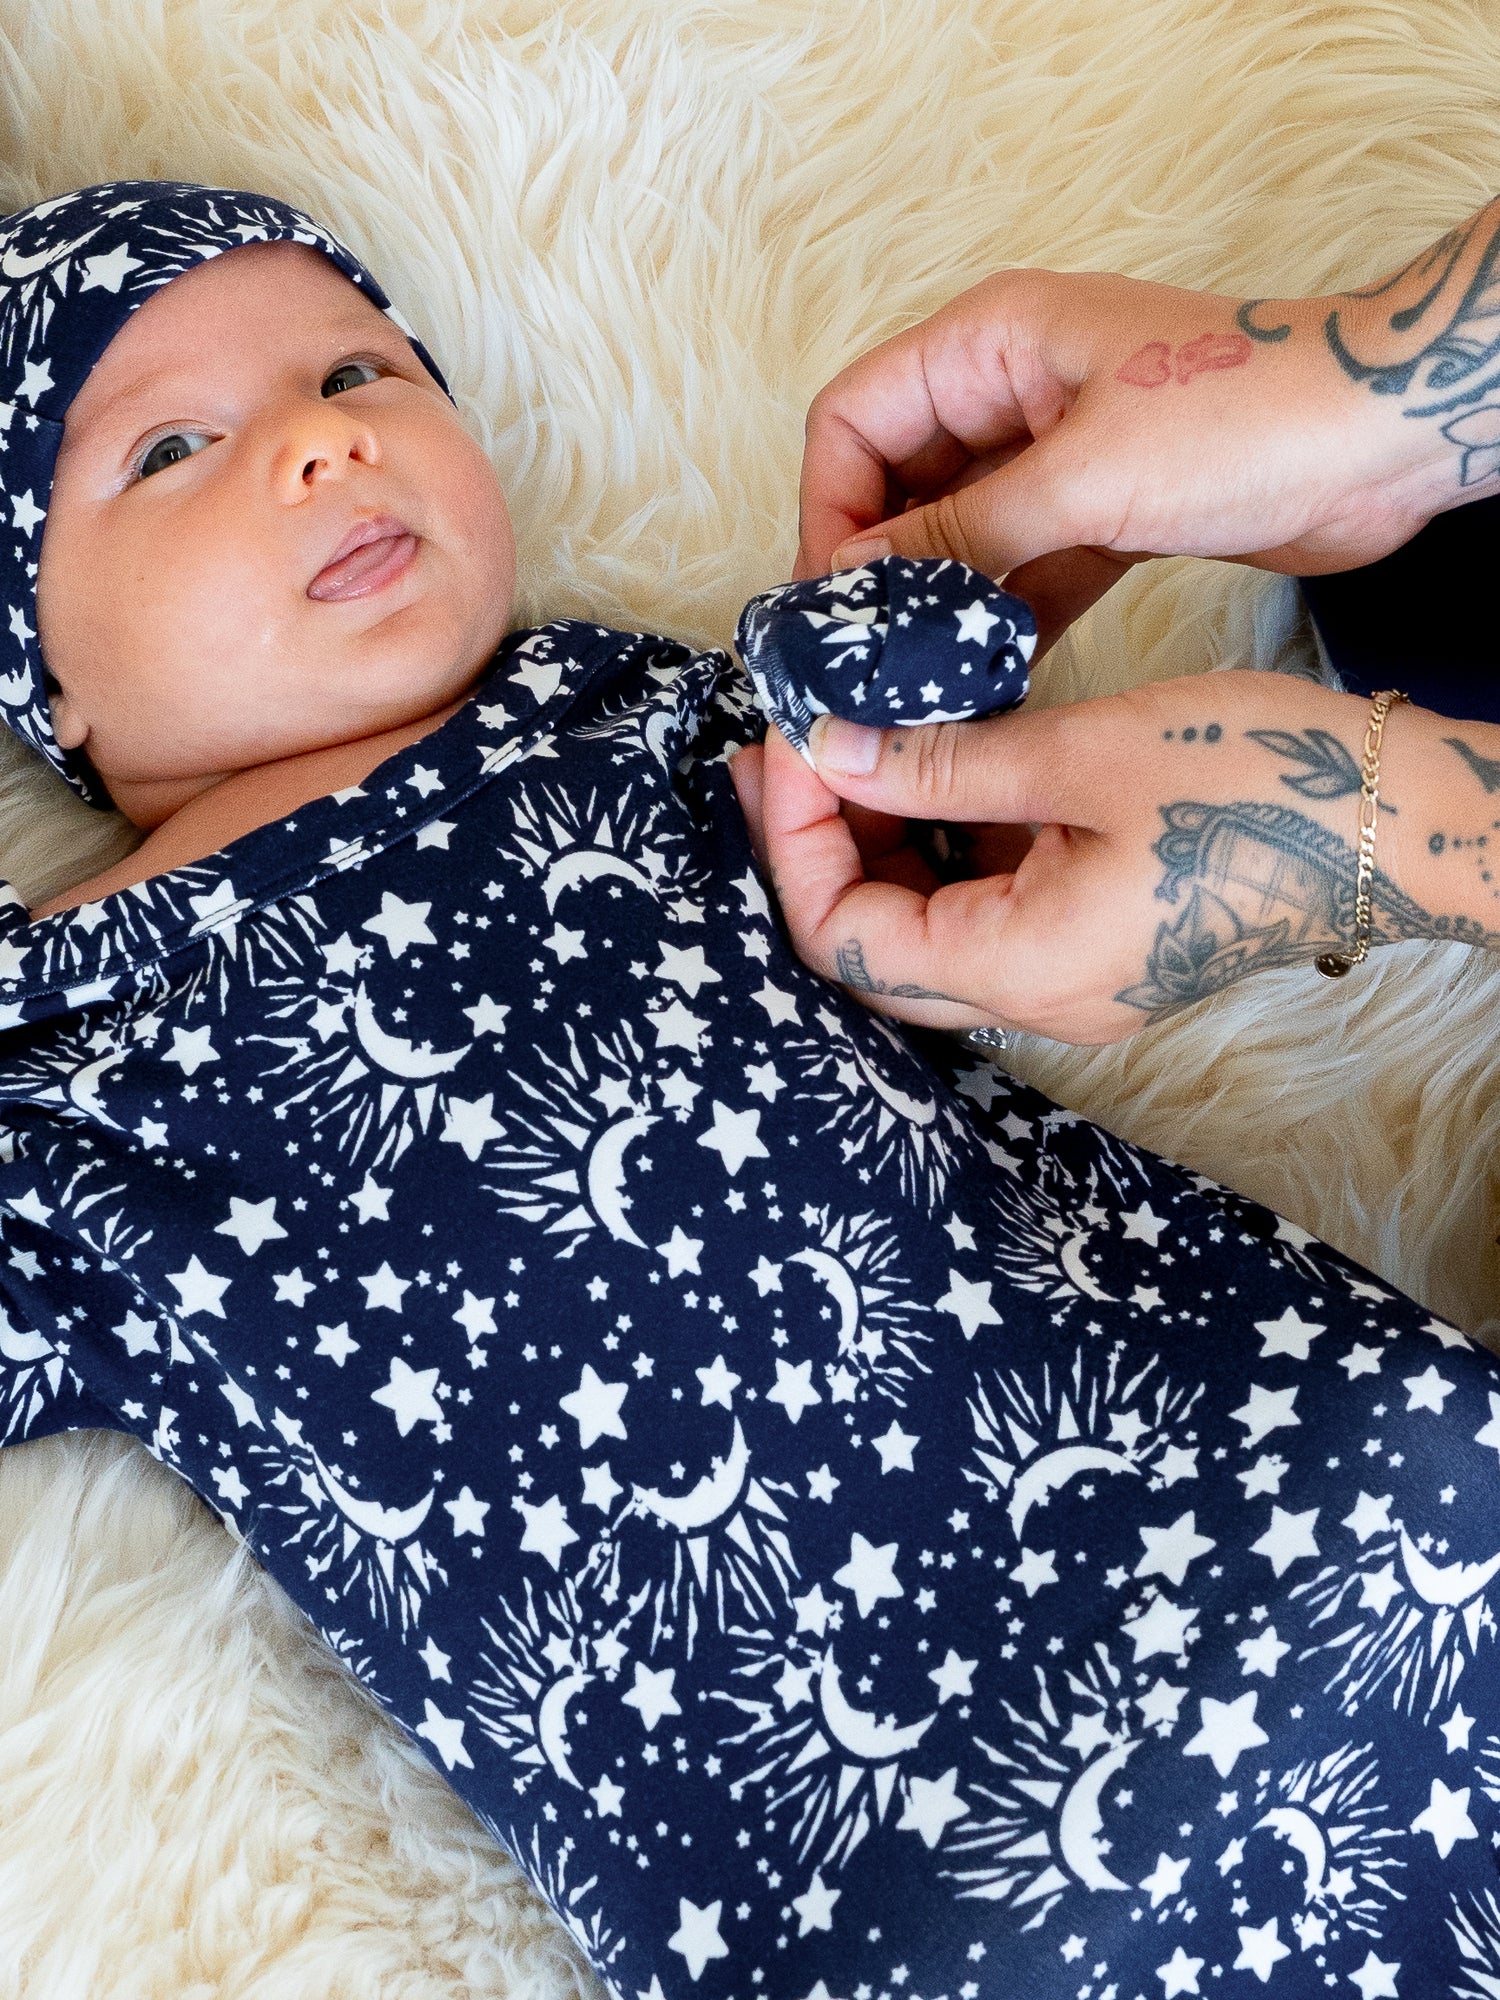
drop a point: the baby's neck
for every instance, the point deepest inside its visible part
(236, 805)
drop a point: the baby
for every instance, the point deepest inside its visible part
(847, 1531)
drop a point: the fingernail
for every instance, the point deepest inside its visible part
(853, 555)
(844, 746)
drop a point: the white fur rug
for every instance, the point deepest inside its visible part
(639, 234)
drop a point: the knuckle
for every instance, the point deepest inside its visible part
(935, 762)
(946, 530)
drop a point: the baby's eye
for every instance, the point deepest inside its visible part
(168, 451)
(345, 368)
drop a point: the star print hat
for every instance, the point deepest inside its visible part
(901, 641)
(72, 270)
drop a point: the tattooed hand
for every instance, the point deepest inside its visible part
(1130, 856)
(1054, 428)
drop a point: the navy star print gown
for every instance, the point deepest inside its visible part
(851, 1530)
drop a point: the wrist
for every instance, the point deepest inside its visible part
(1442, 843)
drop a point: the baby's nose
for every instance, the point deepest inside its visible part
(322, 441)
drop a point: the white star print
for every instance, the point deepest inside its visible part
(821, 1485)
(608, 1797)
(1143, 1225)
(1159, 1706)
(1376, 1979)
(26, 515)
(18, 626)
(1035, 1569)
(676, 1028)
(1260, 1950)
(1289, 1537)
(566, 944)
(930, 1805)
(139, 1335)
(1180, 1975)
(600, 1487)
(595, 1407)
(780, 1007)
(384, 1288)
(198, 1290)
(487, 1018)
(794, 1390)
(446, 1734)
(814, 1906)
(1288, 1335)
(1456, 1729)
(547, 1532)
(468, 1513)
(1490, 1432)
(334, 1341)
(436, 1662)
(1369, 1517)
(1169, 1551)
(652, 1695)
(812, 1611)
(766, 1277)
(895, 1449)
(401, 924)
(1161, 1628)
(1263, 1653)
(192, 1049)
(719, 1383)
(687, 968)
(251, 1223)
(734, 1137)
(36, 380)
(969, 1302)
(1427, 1391)
(409, 1395)
(681, 1252)
(1165, 1878)
(1360, 1360)
(1267, 1410)
(1377, 1588)
(470, 1124)
(697, 1935)
(975, 623)
(1446, 1818)
(1228, 1730)
(870, 1573)
(954, 1678)
(109, 272)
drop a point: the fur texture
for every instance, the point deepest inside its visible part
(639, 234)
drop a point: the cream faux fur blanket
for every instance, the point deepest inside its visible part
(639, 234)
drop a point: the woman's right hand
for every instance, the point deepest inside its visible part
(1054, 428)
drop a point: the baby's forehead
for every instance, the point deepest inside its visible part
(260, 299)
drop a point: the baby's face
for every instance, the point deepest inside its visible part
(242, 422)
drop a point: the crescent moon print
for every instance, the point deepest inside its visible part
(881, 1108)
(1325, 1822)
(570, 843)
(1041, 1433)
(1037, 1826)
(830, 1764)
(1408, 1616)
(668, 723)
(530, 1677)
(854, 1263)
(730, 1553)
(357, 1548)
(573, 1148)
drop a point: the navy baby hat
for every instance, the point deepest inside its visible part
(900, 641)
(72, 270)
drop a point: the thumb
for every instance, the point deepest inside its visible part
(1026, 508)
(1005, 770)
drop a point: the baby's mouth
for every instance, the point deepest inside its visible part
(385, 549)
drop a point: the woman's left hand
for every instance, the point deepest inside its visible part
(1132, 854)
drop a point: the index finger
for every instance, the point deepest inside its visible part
(895, 948)
(917, 407)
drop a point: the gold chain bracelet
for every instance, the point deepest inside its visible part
(1336, 963)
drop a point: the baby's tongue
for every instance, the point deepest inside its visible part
(342, 576)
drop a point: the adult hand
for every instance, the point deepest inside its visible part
(1186, 834)
(1053, 428)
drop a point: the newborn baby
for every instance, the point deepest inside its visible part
(847, 1529)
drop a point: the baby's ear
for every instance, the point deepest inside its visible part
(69, 725)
